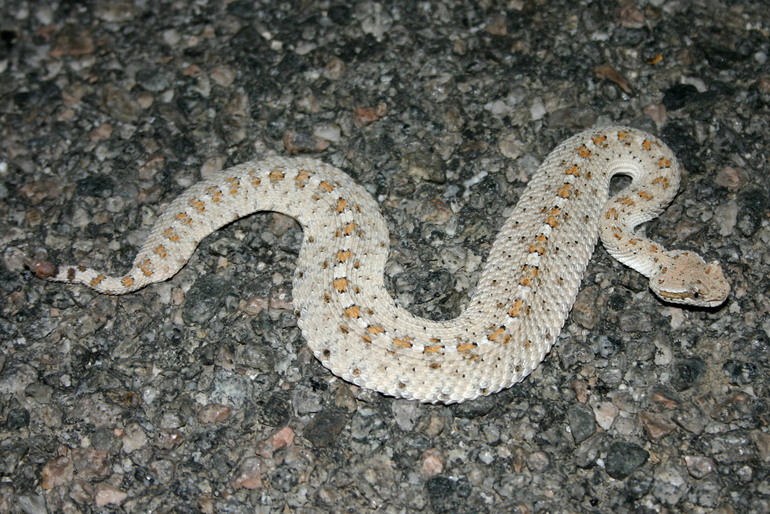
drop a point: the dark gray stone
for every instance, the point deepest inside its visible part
(623, 459)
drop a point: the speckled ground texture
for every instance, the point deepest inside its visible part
(199, 394)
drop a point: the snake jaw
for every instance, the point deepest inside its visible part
(689, 280)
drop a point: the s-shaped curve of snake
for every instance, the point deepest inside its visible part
(522, 299)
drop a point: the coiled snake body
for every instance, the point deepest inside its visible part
(524, 294)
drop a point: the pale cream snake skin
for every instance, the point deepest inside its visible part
(524, 294)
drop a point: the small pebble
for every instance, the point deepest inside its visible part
(295, 142)
(107, 494)
(214, 413)
(699, 466)
(432, 463)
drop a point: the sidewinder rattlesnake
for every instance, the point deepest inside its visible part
(524, 294)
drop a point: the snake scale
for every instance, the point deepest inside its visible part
(524, 294)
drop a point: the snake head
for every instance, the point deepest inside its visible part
(687, 279)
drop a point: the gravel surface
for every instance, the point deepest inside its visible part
(199, 394)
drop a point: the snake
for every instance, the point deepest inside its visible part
(525, 291)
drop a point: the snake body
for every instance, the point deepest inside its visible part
(524, 294)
